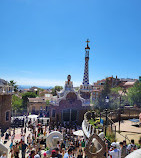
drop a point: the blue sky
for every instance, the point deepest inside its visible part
(42, 41)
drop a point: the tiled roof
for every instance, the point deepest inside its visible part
(38, 99)
(129, 84)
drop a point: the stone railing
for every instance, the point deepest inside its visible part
(6, 90)
(125, 114)
(88, 128)
(95, 147)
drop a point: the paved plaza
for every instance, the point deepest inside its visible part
(132, 131)
(17, 138)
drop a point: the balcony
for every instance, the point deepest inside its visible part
(6, 89)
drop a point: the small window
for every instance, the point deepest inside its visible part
(46, 108)
(33, 108)
(53, 113)
(7, 116)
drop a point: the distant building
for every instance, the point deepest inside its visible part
(99, 85)
(5, 104)
(127, 82)
(36, 105)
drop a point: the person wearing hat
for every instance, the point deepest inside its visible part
(53, 154)
(115, 153)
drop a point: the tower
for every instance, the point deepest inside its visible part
(85, 88)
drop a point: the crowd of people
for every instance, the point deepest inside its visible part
(33, 143)
(121, 149)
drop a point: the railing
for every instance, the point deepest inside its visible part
(87, 128)
(6, 90)
(125, 114)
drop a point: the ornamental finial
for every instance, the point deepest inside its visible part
(87, 44)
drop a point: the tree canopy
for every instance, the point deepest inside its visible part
(12, 83)
(100, 102)
(134, 94)
(16, 103)
(25, 97)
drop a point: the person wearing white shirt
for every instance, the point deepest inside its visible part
(115, 153)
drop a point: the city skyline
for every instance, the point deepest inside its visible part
(42, 42)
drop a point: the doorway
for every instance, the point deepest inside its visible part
(69, 115)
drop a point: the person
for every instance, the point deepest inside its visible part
(139, 146)
(25, 130)
(37, 156)
(83, 144)
(12, 137)
(16, 151)
(68, 154)
(62, 144)
(80, 153)
(3, 155)
(131, 147)
(23, 148)
(32, 154)
(124, 143)
(57, 153)
(11, 145)
(123, 150)
(6, 137)
(53, 154)
(45, 155)
(114, 152)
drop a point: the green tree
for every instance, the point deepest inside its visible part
(56, 88)
(116, 90)
(107, 89)
(134, 94)
(12, 83)
(47, 102)
(16, 103)
(25, 97)
(100, 102)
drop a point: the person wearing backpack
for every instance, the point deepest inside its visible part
(131, 147)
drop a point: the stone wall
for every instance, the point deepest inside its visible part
(5, 109)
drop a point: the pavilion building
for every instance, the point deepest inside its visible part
(70, 105)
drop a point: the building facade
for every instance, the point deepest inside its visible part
(70, 105)
(5, 104)
(99, 85)
(36, 105)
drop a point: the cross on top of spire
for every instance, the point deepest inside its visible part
(87, 44)
(87, 41)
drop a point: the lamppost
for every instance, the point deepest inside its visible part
(106, 101)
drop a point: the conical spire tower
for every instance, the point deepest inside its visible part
(85, 87)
